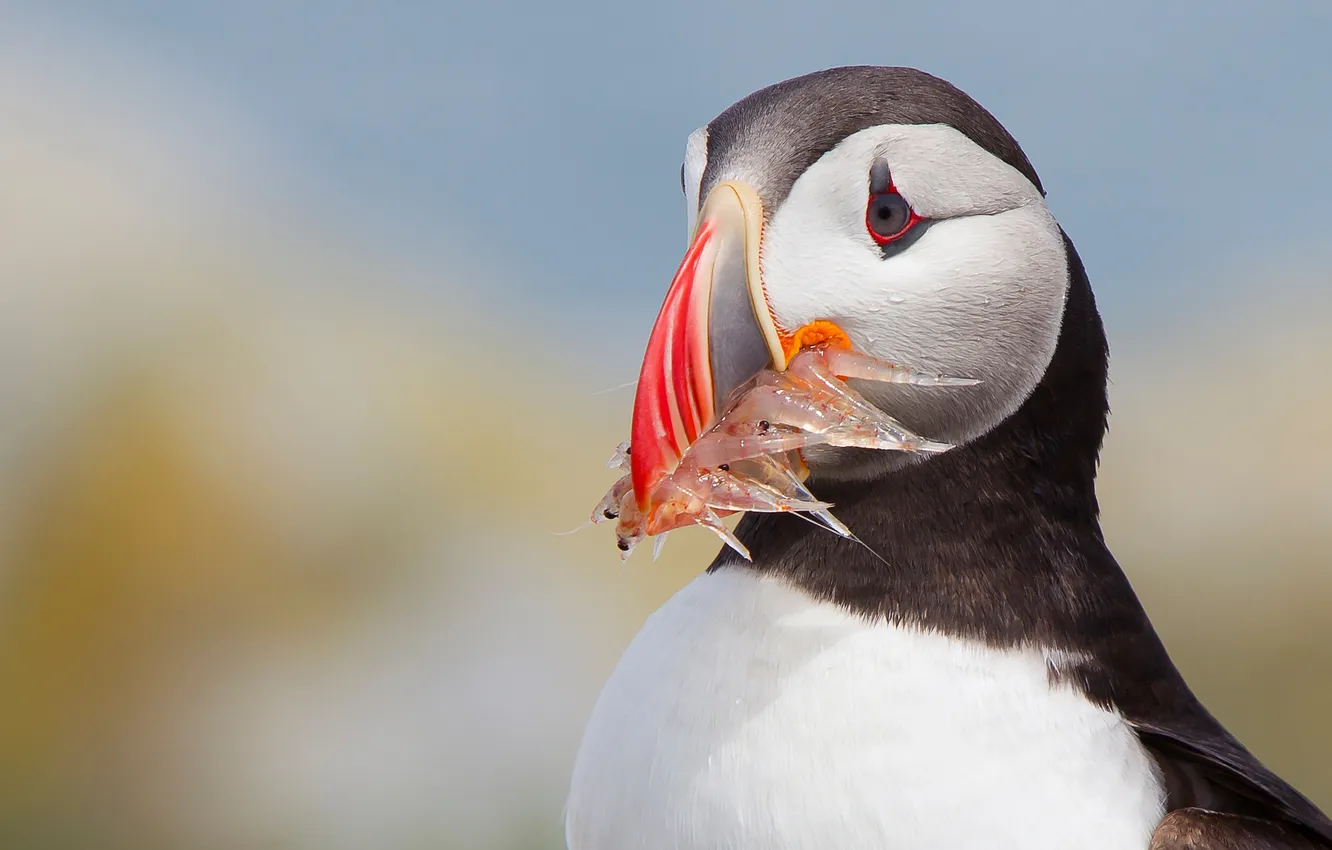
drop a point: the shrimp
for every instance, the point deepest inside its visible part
(750, 458)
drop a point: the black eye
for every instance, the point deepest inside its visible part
(682, 185)
(889, 217)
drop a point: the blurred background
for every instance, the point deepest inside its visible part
(308, 318)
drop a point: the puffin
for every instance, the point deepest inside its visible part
(969, 668)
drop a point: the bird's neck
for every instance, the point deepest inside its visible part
(998, 539)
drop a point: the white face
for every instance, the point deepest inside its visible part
(978, 293)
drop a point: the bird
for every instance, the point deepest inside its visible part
(971, 668)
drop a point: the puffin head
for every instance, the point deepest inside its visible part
(879, 207)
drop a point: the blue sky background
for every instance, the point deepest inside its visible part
(1184, 145)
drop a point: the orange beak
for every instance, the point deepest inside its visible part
(714, 332)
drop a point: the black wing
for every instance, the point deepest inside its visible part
(1203, 765)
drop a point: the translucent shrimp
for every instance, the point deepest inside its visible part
(719, 488)
(839, 363)
(609, 506)
(620, 460)
(780, 475)
(750, 459)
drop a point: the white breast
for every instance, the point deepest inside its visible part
(745, 715)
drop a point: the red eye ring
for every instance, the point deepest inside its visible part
(888, 216)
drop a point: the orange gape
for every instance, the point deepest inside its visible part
(816, 333)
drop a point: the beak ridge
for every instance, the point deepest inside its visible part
(714, 332)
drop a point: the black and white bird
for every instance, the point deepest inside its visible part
(978, 674)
